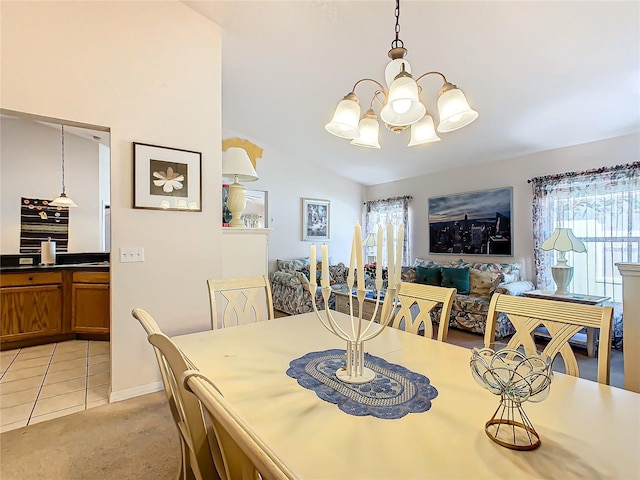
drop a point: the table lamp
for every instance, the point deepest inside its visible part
(236, 165)
(370, 241)
(563, 240)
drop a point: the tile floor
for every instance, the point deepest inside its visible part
(48, 381)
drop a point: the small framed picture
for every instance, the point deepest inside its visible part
(166, 178)
(316, 219)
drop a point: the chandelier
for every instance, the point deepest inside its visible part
(400, 105)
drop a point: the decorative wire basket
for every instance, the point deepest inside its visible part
(517, 378)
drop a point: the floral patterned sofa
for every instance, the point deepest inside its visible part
(469, 310)
(290, 286)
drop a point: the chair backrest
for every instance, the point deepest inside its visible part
(416, 301)
(562, 321)
(187, 414)
(237, 301)
(245, 455)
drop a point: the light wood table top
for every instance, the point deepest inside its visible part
(587, 430)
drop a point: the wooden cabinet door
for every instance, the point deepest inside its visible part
(90, 310)
(30, 311)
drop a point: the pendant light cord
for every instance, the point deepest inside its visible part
(397, 42)
(63, 188)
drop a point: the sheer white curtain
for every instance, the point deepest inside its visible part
(381, 212)
(602, 207)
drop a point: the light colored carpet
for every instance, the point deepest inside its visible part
(132, 439)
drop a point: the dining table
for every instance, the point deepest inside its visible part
(587, 430)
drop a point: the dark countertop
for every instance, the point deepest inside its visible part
(91, 266)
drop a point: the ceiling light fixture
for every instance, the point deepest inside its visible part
(62, 200)
(400, 106)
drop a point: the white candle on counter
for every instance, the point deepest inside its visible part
(325, 266)
(379, 255)
(390, 253)
(312, 265)
(360, 263)
(398, 264)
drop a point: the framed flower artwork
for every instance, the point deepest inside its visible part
(166, 178)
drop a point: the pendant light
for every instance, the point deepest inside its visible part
(62, 200)
(400, 105)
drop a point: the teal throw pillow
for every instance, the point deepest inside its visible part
(428, 275)
(457, 278)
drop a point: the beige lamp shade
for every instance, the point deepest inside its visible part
(236, 165)
(563, 240)
(370, 241)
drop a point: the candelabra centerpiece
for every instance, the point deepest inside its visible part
(355, 370)
(517, 378)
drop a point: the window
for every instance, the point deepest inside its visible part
(602, 207)
(381, 212)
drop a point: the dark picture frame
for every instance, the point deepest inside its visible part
(316, 219)
(166, 178)
(472, 223)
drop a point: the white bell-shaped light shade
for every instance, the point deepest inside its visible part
(236, 165)
(403, 105)
(563, 240)
(62, 201)
(344, 123)
(423, 132)
(369, 129)
(454, 111)
(393, 68)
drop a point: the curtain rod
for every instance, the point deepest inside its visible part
(586, 172)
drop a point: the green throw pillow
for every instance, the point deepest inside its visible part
(428, 276)
(457, 278)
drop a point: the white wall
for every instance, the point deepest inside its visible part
(31, 166)
(512, 172)
(289, 179)
(151, 72)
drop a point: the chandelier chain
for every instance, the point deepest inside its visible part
(62, 129)
(397, 42)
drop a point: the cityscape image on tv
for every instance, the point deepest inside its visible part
(473, 223)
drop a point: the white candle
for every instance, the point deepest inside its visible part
(325, 266)
(352, 261)
(379, 255)
(391, 271)
(360, 263)
(398, 264)
(312, 264)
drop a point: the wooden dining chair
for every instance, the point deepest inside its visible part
(197, 460)
(416, 302)
(245, 455)
(237, 301)
(562, 321)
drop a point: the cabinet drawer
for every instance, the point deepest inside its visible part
(90, 277)
(26, 279)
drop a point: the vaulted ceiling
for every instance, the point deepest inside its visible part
(542, 75)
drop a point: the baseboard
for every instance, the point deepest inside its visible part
(135, 391)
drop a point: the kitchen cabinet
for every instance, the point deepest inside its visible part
(31, 305)
(90, 302)
(52, 304)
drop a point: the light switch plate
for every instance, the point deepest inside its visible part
(131, 254)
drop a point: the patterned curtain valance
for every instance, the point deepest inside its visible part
(372, 204)
(617, 171)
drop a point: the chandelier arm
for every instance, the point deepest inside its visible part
(375, 97)
(370, 80)
(431, 73)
